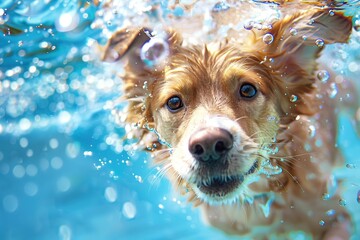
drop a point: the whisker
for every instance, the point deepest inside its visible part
(295, 179)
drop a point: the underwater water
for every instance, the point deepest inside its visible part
(66, 171)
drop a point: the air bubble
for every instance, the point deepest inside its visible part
(129, 210)
(249, 25)
(56, 163)
(342, 202)
(53, 143)
(154, 52)
(64, 117)
(293, 98)
(178, 11)
(350, 165)
(88, 153)
(31, 170)
(326, 196)
(320, 43)
(357, 25)
(330, 212)
(19, 171)
(63, 184)
(312, 131)
(25, 124)
(110, 194)
(268, 38)
(139, 178)
(10, 203)
(31, 189)
(293, 32)
(67, 21)
(221, 6)
(333, 90)
(65, 232)
(323, 75)
(24, 142)
(353, 67)
(271, 118)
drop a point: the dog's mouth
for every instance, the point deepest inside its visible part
(220, 186)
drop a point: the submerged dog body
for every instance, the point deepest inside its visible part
(240, 121)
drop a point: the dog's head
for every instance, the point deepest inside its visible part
(219, 107)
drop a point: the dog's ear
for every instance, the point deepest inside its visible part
(290, 49)
(123, 40)
(299, 39)
(141, 47)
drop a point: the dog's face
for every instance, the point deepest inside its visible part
(218, 111)
(220, 108)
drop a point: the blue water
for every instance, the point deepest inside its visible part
(65, 170)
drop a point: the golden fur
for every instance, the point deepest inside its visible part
(285, 168)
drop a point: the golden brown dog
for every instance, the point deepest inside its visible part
(247, 131)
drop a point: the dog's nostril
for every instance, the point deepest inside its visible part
(198, 150)
(220, 147)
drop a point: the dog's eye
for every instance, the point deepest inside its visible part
(247, 90)
(174, 104)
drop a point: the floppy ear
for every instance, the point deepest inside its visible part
(300, 38)
(145, 56)
(290, 49)
(122, 41)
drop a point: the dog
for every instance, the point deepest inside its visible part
(246, 131)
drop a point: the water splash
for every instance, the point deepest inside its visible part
(159, 138)
(269, 170)
(266, 207)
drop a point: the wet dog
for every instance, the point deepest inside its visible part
(247, 131)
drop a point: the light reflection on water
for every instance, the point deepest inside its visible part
(65, 170)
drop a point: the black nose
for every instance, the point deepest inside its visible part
(209, 144)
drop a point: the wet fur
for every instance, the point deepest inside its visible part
(208, 78)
